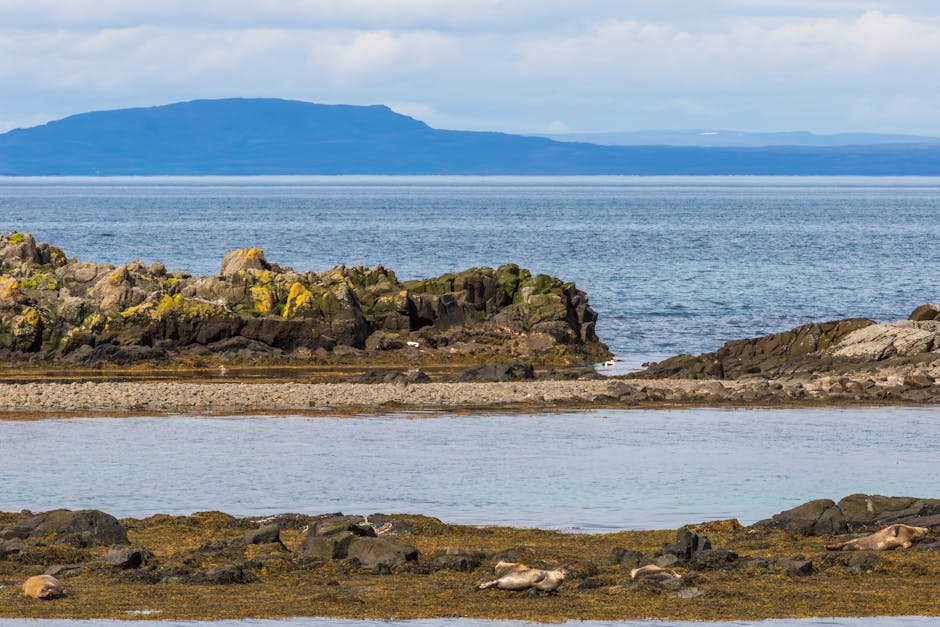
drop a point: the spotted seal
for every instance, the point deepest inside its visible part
(891, 537)
(43, 587)
(512, 576)
(652, 572)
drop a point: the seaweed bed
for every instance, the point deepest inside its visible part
(753, 573)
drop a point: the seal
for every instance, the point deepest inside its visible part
(43, 587)
(517, 577)
(898, 536)
(652, 572)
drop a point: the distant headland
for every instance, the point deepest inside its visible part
(266, 136)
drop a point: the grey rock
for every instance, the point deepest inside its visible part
(128, 556)
(381, 554)
(82, 527)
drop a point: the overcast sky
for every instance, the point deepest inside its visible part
(511, 65)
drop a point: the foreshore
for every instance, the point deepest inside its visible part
(128, 397)
(211, 565)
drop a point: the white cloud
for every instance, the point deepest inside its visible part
(520, 65)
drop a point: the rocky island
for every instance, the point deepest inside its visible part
(211, 565)
(56, 311)
(258, 337)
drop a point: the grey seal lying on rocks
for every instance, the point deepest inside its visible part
(892, 537)
(43, 587)
(512, 576)
(652, 572)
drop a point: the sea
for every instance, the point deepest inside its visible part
(671, 265)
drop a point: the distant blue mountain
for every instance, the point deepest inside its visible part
(270, 136)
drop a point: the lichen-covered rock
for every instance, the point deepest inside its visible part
(79, 313)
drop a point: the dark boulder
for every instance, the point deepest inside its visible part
(83, 528)
(225, 574)
(381, 555)
(459, 560)
(626, 558)
(818, 517)
(502, 371)
(856, 511)
(687, 545)
(925, 312)
(128, 556)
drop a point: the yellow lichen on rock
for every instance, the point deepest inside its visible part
(9, 287)
(299, 300)
(31, 315)
(263, 299)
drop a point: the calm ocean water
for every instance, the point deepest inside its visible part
(671, 264)
(589, 470)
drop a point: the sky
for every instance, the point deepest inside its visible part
(529, 66)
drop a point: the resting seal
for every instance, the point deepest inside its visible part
(43, 587)
(893, 537)
(652, 572)
(511, 576)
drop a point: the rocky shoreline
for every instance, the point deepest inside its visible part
(29, 399)
(142, 338)
(211, 565)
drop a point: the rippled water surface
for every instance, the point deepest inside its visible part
(671, 264)
(590, 470)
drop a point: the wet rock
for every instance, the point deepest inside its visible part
(64, 570)
(503, 371)
(864, 510)
(82, 528)
(817, 517)
(334, 546)
(380, 554)
(687, 545)
(127, 556)
(763, 355)
(714, 559)
(459, 560)
(925, 312)
(794, 566)
(225, 574)
(11, 547)
(265, 535)
(626, 557)
(385, 525)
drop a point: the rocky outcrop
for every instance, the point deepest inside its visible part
(857, 511)
(82, 528)
(839, 347)
(53, 309)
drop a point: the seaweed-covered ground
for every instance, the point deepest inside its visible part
(213, 566)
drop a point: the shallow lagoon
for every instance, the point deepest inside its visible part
(592, 470)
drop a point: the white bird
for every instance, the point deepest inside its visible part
(610, 362)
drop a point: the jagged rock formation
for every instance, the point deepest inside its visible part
(841, 346)
(855, 512)
(53, 309)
